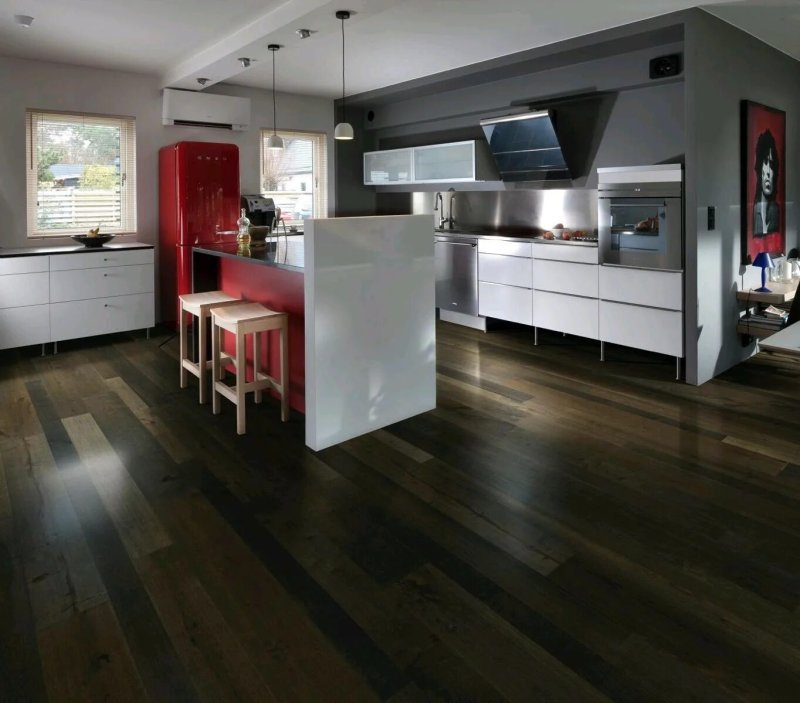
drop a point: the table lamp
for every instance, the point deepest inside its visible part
(763, 261)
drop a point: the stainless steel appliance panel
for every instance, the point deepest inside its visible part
(457, 274)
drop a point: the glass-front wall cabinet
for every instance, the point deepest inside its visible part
(387, 167)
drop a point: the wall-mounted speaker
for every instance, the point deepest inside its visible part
(665, 66)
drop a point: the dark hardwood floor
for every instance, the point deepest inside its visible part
(558, 529)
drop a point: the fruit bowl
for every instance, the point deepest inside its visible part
(95, 241)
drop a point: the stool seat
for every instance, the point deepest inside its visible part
(200, 305)
(240, 320)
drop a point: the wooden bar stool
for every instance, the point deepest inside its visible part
(241, 320)
(200, 305)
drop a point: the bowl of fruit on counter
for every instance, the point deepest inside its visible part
(93, 238)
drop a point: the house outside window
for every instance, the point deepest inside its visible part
(81, 173)
(296, 177)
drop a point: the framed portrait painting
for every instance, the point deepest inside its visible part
(763, 180)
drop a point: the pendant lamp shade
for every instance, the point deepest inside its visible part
(275, 141)
(343, 130)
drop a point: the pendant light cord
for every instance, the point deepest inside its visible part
(344, 111)
(274, 109)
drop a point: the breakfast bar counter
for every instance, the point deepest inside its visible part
(359, 293)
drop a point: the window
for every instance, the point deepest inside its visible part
(81, 174)
(296, 177)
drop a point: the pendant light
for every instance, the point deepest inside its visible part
(275, 141)
(343, 130)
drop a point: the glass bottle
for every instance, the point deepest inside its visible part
(243, 237)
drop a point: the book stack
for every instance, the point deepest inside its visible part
(765, 321)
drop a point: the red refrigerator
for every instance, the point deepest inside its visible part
(198, 196)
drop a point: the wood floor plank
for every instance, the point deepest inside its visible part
(135, 520)
(87, 659)
(489, 644)
(206, 644)
(165, 436)
(60, 573)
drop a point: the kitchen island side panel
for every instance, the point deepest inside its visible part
(281, 290)
(370, 324)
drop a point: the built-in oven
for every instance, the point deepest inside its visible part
(640, 216)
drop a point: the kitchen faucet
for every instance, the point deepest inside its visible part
(451, 220)
(438, 206)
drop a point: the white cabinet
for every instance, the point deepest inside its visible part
(99, 293)
(47, 298)
(565, 281)
(505, 280)
(642, 308)
(24, 295)
(453, 162)
(388, 167)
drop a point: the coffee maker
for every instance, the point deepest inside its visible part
(260, 210)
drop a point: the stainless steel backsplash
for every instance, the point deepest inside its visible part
(516, 210)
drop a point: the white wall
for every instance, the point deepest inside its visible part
(34, 84)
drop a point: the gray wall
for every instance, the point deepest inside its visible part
(49, 86)
(723, 67)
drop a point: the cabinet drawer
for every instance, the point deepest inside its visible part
(642, 328)
(23, 264)
(100, 282)
(658, 289)
(84, 318)
(101, 259)
(566, 252)
(566, 313)
(510, 270)
(503, 246)
(24, 325)
(505, 302)
(24, 289)
(564, 277)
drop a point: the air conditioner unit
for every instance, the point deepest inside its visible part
(189, 108)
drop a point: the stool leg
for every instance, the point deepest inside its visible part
(215, 366)
(256, 364)
(202, 353)
(284, 371)
(183, 346)
(241, 379)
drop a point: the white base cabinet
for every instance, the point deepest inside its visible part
(642, 308)
(505, 280)
(566, 313)
(505, 302)
(53, 297)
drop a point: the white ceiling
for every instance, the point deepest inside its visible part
(387, 41)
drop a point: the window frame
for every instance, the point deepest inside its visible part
(319, 168)
(34, 118)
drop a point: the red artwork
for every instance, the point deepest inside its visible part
(763, 180)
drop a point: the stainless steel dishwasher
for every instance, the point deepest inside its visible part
(457, 273)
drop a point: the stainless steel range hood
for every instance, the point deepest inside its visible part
(525, 147)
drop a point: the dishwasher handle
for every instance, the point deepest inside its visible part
(459, 244)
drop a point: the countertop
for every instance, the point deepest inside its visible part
(287, 253)
(67, 249)
(482, 233)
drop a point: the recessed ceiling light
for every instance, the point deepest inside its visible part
(304, 33)
(24, 21)
(203, 81)
(245, 61)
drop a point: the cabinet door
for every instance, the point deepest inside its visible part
(102, 258)
(23, 264)
(639, 327)
(566, 252)
(565, 277)
(385, 167)
(505, 302)
(85, 318)
(26, 325)
(100, 282)
(658, 289)
(511, 270)
(444, 162)
(24, 289)
(493, 245)
(566, 313)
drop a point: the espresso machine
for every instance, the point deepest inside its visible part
(261, 211)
